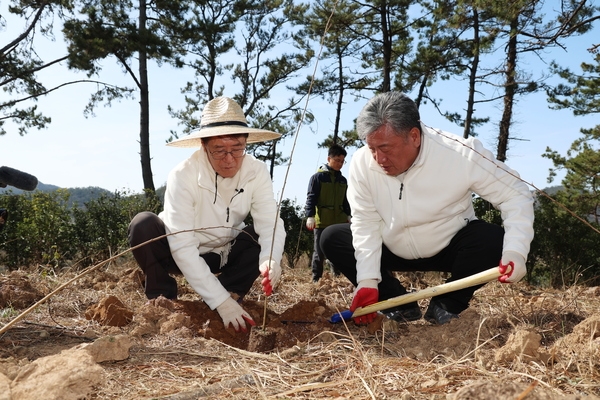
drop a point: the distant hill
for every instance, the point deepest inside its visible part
(77, 196)
(41, 186)
(80, 196)
(553, 189)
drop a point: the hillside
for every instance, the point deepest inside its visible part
(99, 338)
(77, 196)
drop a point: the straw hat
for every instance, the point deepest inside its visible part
(223, 116)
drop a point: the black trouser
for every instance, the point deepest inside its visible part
(318, 258)
(475, 248)
(155, 259)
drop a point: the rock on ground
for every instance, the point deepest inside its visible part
(69, 375)
(109, 348)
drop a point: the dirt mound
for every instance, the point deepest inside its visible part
(110, 311)
(17, 291)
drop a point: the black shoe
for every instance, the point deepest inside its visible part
(406, 314)
(437, 315)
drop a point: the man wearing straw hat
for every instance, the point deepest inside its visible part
(410, 190)
(207, 198)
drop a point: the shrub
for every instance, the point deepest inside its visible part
(565, 251)
(43, 228)
(298, 240)
(101, 226)
(39, 229)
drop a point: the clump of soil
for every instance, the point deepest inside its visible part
(17, 291)
(110, 311)
(261, 339)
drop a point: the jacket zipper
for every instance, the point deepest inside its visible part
(238, 191)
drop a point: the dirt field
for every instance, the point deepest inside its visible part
(514, 342)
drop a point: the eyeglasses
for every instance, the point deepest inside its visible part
(221, 154)
(338, 160)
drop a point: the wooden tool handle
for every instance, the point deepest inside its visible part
(473, 280)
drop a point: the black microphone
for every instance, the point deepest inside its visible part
(19, 179)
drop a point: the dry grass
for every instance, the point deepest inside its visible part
(418, 361)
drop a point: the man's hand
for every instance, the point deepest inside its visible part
(232, 313)
(366, 293)
(310, 223)
(271, 272)
(516, 263)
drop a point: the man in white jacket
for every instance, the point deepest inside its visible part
(410, 190)
(207, 198)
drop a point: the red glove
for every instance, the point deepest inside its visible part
(517, 271)
(266, 284)
(366, 294)
(271, 272)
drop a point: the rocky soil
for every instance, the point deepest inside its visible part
(100, 338)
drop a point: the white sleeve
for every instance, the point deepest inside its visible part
(178, 215)
(366, 222)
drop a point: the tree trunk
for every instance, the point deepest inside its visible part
(473, 75)
(340, 100)
(387, 48)
(421, 91)
(509, 91)
(144, 107)
(273, 158)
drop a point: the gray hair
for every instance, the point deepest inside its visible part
(391, 108)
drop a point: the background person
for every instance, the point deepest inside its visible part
(211, 193)
(411, 191)
(326, 203)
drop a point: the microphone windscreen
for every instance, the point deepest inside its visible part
(19, 179)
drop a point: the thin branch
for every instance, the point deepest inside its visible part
(22, 36)
(12, 103)
(129, 70)
(33, 70)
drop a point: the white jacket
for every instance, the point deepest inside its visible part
(436, 201)
(190, 203)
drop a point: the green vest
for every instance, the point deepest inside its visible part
(329, 209)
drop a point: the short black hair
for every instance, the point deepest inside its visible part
(336, 150)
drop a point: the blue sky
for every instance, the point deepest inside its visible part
(103, 150)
